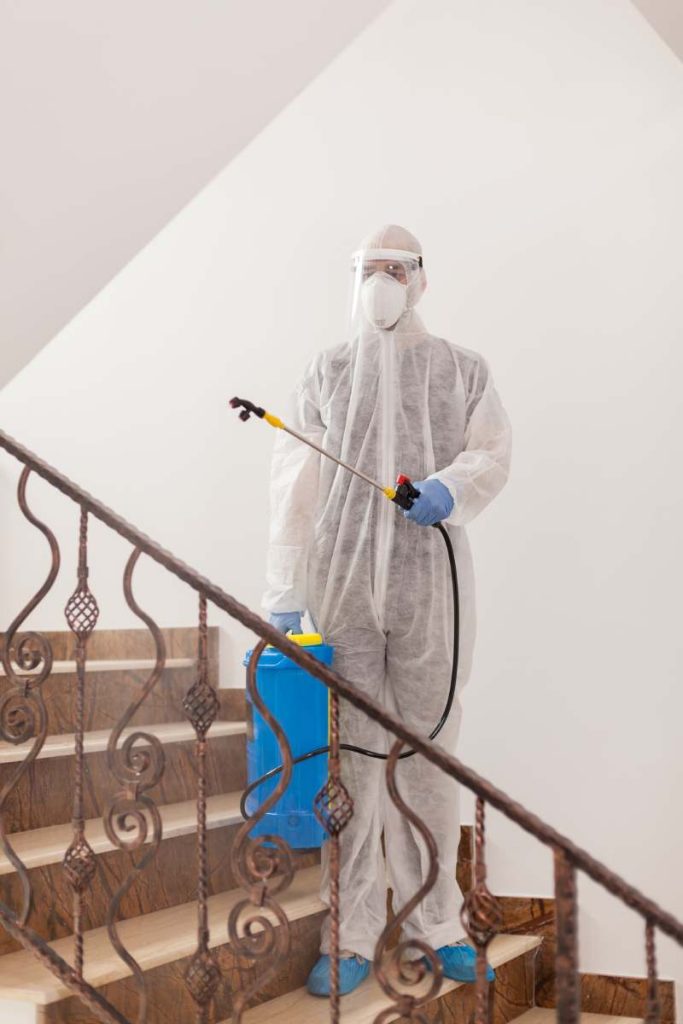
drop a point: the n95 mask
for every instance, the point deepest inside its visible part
(384, 300)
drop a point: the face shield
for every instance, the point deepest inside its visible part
(385, 284)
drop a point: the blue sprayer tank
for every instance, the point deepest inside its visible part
(299, 702)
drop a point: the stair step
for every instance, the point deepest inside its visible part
(153, 939)
(368, 1000)
(110, 665)
(63, 745)
(539, 1015)
(48, 845)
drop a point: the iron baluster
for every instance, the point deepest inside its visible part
(654, 1009)
(23, 716)
(80, 865)
(263, 866)
(333, 807)
(130, 814)
(567, 994)
(203, 975)
(481, 914)
(401, 967)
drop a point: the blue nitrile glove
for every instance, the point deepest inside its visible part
(286, 622)
(434, 504)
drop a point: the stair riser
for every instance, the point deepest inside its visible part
(44, 796)
(169, 999)
(510, 996)
(514, 989)
(616, 995)
(181, 642)
(169, 880)
(532, 915)
(109, 694)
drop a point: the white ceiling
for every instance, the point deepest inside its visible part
(115, 114)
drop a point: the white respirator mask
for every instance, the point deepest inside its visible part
(384, 300)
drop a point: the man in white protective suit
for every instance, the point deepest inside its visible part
(393, 399)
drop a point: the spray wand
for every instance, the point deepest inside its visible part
(402, 494)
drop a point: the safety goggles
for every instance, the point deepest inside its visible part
(403, 266)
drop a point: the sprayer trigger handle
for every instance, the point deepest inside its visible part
(406, 493)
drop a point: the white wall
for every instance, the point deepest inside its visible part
(537, 150)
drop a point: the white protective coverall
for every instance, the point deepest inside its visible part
(378, 586)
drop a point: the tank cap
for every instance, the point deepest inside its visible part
(305, 639)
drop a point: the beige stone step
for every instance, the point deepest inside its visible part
(542, 1016)
(110, 665)
(154, 939)
(368, 1000)
(63, 745)
(43, 846)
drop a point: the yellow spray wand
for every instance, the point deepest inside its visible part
(403, 494)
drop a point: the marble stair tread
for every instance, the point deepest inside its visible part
(540, 1015)
(62, 745)
(48, 845)
(368, 1000)
(110, 665)
(161, 937)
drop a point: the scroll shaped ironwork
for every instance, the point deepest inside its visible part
(80, 864)
(131, 813)
(401, 969)
(201, 705)
(333, 807)
(263, 866)
(481, 915)
(23, 716)
(654, 1009)
(566, 958)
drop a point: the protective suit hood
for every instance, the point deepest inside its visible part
(388, 280)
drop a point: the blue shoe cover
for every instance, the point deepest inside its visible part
(352, 971)
(459, 963)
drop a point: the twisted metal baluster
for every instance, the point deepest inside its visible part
(481, 915)
(129, 814)
(408, 971)
(333, 807)
(566, 959)
(254, 864)
(79, 862)
(654, 1009)
(23, 715)
(201, 705)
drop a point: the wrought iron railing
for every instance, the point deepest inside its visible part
(257, 928)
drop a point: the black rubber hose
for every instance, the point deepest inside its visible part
(375, 753)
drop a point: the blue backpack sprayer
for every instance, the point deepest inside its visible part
(300, 702)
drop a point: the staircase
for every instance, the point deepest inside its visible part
(160, 911)
(130, 890)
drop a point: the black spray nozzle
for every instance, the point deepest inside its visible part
(406, 492)
(247, 408)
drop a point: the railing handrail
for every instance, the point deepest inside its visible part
(497, 798)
